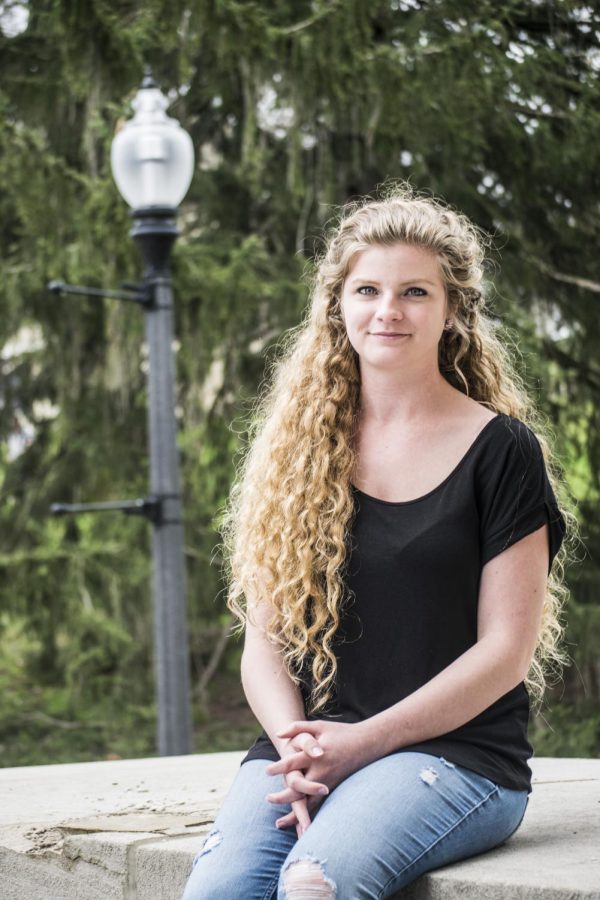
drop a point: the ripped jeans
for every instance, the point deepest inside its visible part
(377, 831)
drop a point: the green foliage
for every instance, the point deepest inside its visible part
(568, 730)
(293, 108)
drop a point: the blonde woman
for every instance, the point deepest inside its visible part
(395, 534)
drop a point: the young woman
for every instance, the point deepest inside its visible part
(395, 533)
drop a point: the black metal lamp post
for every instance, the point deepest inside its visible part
(152, 161)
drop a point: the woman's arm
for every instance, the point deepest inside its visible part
(274, 700)
(512, 591)
(271, 694)
(511, 596)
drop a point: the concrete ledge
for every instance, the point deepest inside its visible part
(129, 830)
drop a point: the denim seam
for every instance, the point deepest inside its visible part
(273, 885)
(441, 837)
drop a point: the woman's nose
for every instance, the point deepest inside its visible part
(389, 306)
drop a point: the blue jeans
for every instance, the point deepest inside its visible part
(376, 832)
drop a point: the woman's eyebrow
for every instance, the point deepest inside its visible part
(374, 280)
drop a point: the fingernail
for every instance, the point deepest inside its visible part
(323, 790)
(317, 751)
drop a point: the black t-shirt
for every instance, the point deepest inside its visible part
(415, 569)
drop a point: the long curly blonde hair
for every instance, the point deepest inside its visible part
(286, 524)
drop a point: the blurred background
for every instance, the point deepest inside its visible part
(293, 107)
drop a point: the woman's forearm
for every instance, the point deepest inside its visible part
(465, 688)
(271, 694)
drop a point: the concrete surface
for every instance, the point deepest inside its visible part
(129, 830)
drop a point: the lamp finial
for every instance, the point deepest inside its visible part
(148, 79)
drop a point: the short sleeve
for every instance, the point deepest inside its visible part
(517, 497)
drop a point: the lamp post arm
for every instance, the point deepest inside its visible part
(150, 507)
(135, 293)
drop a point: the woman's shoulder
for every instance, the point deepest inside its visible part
(509, 445)
(517, 431)
(506, 424)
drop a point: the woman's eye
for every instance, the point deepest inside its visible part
(369, 287)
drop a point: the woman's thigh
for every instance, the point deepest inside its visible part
(376, 832)
(393, 820)
(244, 851)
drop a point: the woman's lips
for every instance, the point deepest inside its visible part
(390, 337)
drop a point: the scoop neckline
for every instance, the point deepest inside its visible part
(442, 483)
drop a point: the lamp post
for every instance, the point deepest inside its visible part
(152, 160)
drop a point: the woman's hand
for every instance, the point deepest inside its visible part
(346, 750)
(303, 794)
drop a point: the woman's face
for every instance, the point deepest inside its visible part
(398, 290)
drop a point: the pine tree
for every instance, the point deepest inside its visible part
(293, 107)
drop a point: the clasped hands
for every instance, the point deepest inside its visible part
(318, 756)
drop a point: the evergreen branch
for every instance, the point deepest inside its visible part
(306, 23)
(538, 113)
(586, 284)
(58, 723)
(43, 555)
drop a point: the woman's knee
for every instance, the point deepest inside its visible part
(214, 874)
(306, 877)
(215, 883)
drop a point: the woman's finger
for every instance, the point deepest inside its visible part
(302, 784)
(301, 812)
(291, 761)
(287, 820)
(288, 763)
(287, 795)
(295, 727)
(299, 816)
(298, 786)
(308, 743)
(312, 748)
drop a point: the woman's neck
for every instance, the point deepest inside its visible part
(385, 404)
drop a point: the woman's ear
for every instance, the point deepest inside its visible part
(450, 314)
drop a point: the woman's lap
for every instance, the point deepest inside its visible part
(377, 831)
